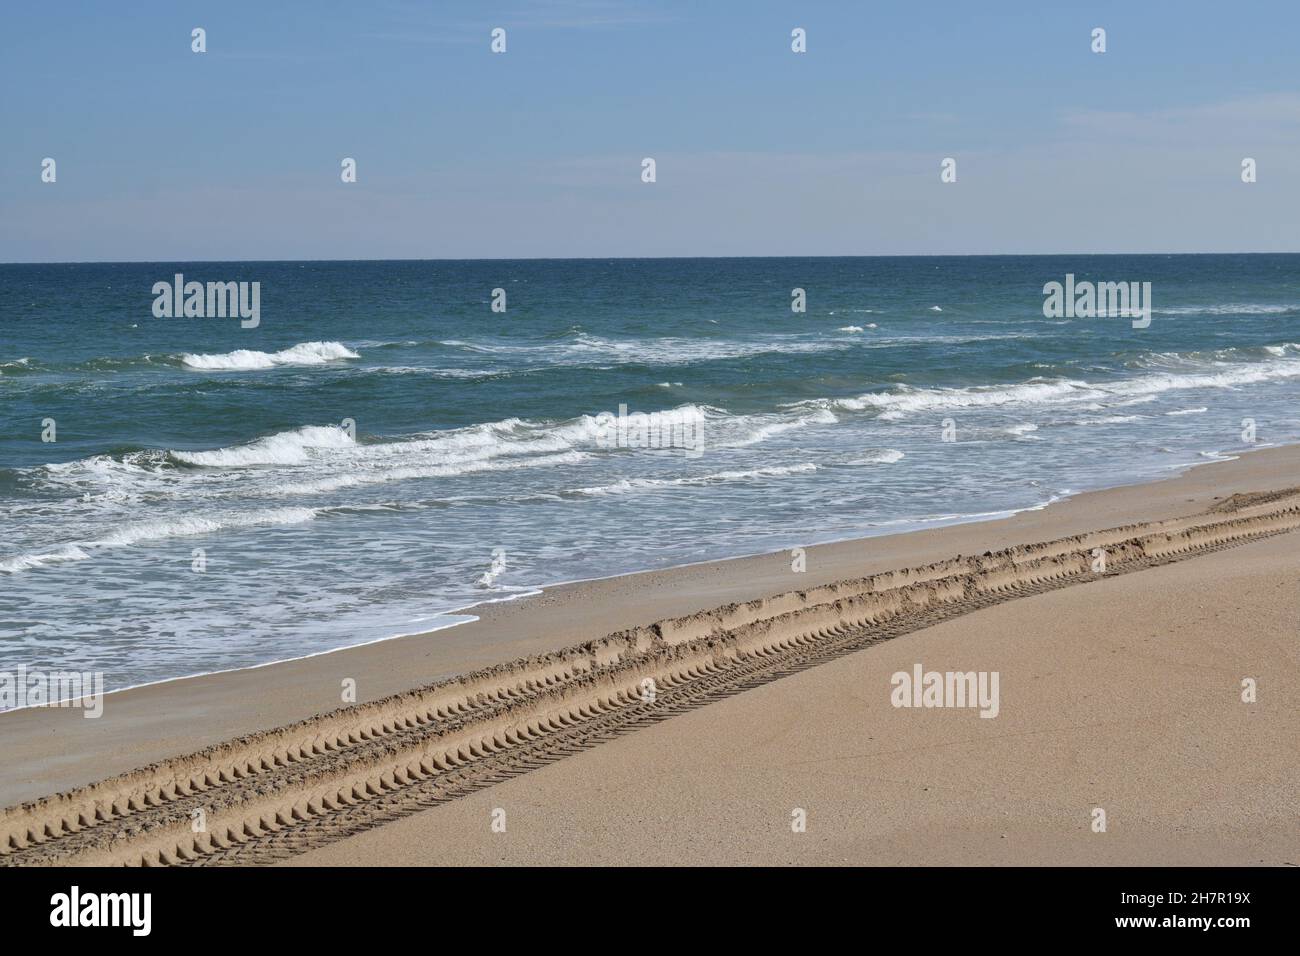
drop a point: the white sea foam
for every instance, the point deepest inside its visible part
(198, 524)
(585, 349)
(739, 431)
(908, 398)
(305, 353)
(1230, 308)
(372, 476)
(638, 484)
(884, 456)
(328, 458)
(489, 577)
(903, 399)
(1225, 377)
(1139, 400)
(1104, 420)
(25, 562)
(435, 372)
(157, 529)
(455, 451)
(1022, 430)
(320, 460)
(284, 448)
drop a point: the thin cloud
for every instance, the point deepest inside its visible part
(1266, 118)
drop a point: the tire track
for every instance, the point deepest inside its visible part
(268, 796)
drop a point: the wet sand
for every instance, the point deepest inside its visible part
(1121, 693)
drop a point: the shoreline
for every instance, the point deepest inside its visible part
(528, 592)
(53, 749)
(1121, 693)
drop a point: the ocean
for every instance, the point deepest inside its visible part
(384, 450)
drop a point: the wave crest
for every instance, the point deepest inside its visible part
(283, 448)
(304, 353)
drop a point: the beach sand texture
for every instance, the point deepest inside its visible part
(786, 676)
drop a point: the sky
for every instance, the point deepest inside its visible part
(164, 154)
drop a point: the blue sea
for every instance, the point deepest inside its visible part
(384, 450)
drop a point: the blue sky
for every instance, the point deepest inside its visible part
(165, 154)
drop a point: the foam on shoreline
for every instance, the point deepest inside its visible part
(315, 769)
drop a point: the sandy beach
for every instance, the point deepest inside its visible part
(529, 735)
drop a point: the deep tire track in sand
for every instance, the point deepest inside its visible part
(270, 796)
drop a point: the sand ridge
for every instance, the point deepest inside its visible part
(275, 793)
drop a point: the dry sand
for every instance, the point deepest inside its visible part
(1120, 691)
(1105, 702)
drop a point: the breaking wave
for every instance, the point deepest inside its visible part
(305, 353)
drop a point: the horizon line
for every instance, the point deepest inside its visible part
(946, 255)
